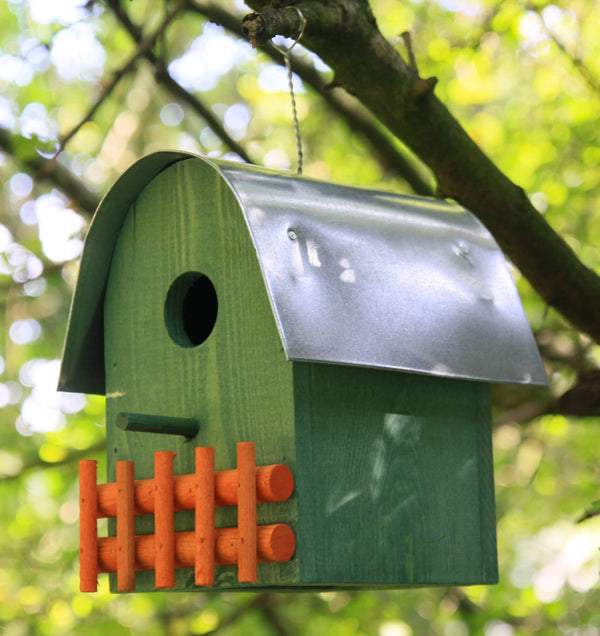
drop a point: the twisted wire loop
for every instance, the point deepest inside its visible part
(288, 66)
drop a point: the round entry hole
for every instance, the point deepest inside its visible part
(191, 309)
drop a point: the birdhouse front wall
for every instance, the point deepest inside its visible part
(183, 230)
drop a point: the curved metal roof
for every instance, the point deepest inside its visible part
(354, 276)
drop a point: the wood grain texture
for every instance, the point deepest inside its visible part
(237, 384)
(394, 478)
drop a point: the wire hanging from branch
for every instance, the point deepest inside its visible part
(288, 66)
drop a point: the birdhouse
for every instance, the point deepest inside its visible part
(297, 379)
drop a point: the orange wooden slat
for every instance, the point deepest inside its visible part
(164, 519)
(247, 555)
(88, 527)
(204, 561)
(125, 527)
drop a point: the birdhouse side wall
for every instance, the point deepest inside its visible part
(394, 479)
(236, 384)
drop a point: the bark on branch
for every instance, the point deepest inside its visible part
(259, 28)
(345, 35)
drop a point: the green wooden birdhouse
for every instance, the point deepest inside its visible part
(350, 335)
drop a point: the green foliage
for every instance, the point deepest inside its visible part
(522, 77)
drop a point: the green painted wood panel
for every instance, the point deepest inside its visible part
(394, 478)
(237, 384)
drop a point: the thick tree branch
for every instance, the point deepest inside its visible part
(383, 147)
(359, 119)
(344, 34)
(260, 28)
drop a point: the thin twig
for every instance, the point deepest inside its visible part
(467, 607)
(575, 60)
(588, 514)
(412, 60)
(163, 76)
(118, 75)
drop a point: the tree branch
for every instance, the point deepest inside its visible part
(267, 605)
(345, 35)
(51, 170)
(590, 513)
(259, 28)
(141, 51)
(357, 117)
(382, 146)
(575, 60)
(163, 76)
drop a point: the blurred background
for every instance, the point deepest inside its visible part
(87, 88)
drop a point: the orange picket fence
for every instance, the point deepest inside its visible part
(166, 550)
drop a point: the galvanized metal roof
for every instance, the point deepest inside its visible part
(354, 276)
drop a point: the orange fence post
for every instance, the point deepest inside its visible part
(247, 532)
(125, 527)
(164, 519)
(88, 527)
(204, 561)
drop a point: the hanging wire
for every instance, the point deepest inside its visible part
(288, 66)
